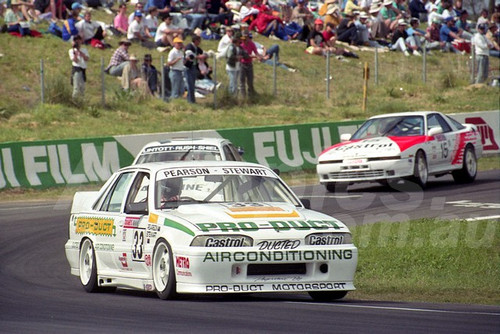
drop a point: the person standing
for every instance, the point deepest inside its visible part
(79, 57)
(482, 47)
(176, 62)
(150, 74)
(249, 51)
(233, 57)
(193, 53)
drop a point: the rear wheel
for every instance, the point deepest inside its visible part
(468, 171)
(421, 171)
(326, 296)
(163, 270)
(336, 187)
(88, 267)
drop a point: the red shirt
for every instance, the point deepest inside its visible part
(327, 35)
(250, 48)
(262, 21)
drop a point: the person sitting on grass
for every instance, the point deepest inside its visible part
(15, 20)
(166, 33)
(69, 26)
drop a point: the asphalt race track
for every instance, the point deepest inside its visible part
(38, 294)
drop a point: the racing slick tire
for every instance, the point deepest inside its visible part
(163, 270)
(336, 186)
(421, 170)
(88, 267)
(326, 296)
(468, 171)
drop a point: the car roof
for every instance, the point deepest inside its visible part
(186, 141)
(407, 113)
(156, 166)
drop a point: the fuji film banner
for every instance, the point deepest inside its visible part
(44, 164)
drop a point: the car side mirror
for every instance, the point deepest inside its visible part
(241, 150)
(435, 131)
(306, 202)
(345, 137)
(140, 208)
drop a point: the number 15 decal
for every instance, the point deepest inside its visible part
(138, 246)
(444, 149)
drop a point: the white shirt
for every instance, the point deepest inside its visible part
(245, 11)
(87, 29)
(151, 22)
(482, 44)
(81, 62)
(224, 42)
(135, 27)
(162, 28)
(174, 54)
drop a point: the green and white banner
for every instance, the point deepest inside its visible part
(44, 164)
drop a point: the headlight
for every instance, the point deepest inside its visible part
(322, 239)
(222, 241)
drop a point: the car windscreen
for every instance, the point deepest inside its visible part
(219, 185)
(398, 126)
(179, 155)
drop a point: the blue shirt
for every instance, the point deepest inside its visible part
(444, 33)
(160, 4)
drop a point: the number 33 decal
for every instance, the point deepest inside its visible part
(138, 246)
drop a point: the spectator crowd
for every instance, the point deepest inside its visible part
(333, 27)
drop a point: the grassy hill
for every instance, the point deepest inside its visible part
(301, 96)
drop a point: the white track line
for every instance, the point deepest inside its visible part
(402, 309)
(482, 218)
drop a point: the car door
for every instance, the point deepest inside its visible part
(445, 142)
(134, 227)
(109, 211)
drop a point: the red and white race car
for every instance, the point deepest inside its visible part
(411, 145)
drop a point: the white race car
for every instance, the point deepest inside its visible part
(189, 149)
(206, 227)
(410, 145)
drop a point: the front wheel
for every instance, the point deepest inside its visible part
(163, 270)
(326, 296)
(421, 171)
(88, 267)
(336, 187)
(468, 171)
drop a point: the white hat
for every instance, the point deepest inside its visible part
(402, 22)
(374, 8)
(363, 15)
(387, 2)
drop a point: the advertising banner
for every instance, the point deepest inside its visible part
(44, 164)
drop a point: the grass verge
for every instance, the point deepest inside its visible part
(429, 261)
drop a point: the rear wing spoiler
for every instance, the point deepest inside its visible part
(83, 201)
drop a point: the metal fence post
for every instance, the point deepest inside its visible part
(103, 84)
(42, 82)
(473, 65)
(424, 63)
(328, 75)
(162, 66)
(214, 70)
(275, 90)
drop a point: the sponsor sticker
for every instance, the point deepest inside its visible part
(277, 225)
(313, 286)
(182, 148)
(95, 226)
(279, 256)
